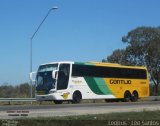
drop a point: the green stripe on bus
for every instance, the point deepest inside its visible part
(81, 63)
(102, 85)
(97, 85)
(93, 85)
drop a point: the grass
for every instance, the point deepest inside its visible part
(94, 120)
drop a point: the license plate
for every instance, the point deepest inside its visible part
(40, 92)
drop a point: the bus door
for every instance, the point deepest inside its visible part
(63, 76)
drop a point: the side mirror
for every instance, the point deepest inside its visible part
(54, 74)
(32, 77)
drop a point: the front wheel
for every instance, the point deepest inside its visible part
(77, 97)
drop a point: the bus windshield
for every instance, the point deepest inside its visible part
(44, 78)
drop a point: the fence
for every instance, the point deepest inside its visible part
(9, 100)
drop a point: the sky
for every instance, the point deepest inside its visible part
(79, 30)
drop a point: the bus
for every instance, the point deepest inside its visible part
(75, 81)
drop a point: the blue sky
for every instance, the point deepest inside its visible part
(80, 30)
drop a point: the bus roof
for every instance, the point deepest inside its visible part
(116, 65)
(97, 64)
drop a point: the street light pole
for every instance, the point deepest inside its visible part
(31, 39)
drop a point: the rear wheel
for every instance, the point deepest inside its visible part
(127, 96)
(58, 101)
(77, 97)
(134, 96)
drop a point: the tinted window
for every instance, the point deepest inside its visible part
(110, 72)
(48, 67)
(63, 76)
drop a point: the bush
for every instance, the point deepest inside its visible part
(18, 91)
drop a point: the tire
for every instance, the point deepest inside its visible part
(77, 97)
(58, 101)
(134, 96)
(127, 96)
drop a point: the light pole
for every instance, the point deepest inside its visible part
(53, 8)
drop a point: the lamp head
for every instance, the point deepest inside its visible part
(54, 8)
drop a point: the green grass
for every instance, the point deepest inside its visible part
(93, 120)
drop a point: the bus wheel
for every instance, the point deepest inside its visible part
(58, 101)
(134, 96)
(77, 97)
(127, 96)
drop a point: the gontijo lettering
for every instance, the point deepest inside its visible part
(120, 81)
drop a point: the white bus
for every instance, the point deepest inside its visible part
(74, 81)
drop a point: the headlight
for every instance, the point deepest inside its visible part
(52, 91)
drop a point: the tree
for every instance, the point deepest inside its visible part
(117, 56)
(9, 91)
(143, 49)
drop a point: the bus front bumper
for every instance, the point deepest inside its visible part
(45, 98)
(50, 97)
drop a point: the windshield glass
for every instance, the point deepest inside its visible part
(44, 79)
(49, 67)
